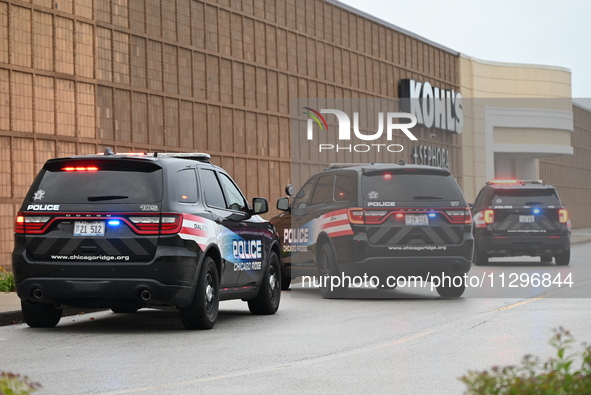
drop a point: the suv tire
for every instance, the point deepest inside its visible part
(40, 315)
(202, 313)
(451, 291)
(563, 259)
(267, 301)
(285, 281)
(480, 258)
(327, 268)
(546, 258)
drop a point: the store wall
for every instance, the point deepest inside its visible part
(571, 174)
(77, 76)
(515, 114)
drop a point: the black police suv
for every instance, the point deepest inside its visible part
(518, 217)
(128, 231)
(377, 219)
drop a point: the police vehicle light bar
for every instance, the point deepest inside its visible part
(522, 182)
(80, 168)
(190, 155)
(124, 153)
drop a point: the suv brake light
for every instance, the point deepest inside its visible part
(483, 218)
(563, 216)
(489, 216)
(80, 168)
(156, 224)
(33, 224)
(360, 216)
(459, 216)
(143, 225)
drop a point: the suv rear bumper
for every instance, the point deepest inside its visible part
(169, 279)
(103, 293)
(523, 245)
(409, 266)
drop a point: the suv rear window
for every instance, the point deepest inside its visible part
(410, 185)
(525, 197)
(99, 184)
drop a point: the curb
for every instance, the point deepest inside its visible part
(16, 317)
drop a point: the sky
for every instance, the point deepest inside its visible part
(555, 33)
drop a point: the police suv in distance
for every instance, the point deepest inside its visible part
(127, 231)
(515, 217)
(377, 219)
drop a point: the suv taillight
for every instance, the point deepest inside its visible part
(483, 218)
(360, 216)
(32, 224)
(155, 224)
(489, 216)
(563, 216)
(462, 216)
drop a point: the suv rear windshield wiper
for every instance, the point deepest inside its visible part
(106, 197)
(419, 197)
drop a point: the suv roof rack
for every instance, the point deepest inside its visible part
(515, 182)
(198, 156)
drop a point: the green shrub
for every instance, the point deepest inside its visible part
(557, 376)
(15, 384)
(6, 281)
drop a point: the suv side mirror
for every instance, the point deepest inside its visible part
(283, 204)
(260, 205)
(471, 205)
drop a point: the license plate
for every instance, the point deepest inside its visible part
(416, 220)
(89, 228)
(527, 218)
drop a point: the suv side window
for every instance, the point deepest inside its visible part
(323, 190)
(479, 199)
(345, 187)
(212, 189)
(302, 199)
(234, 197)
(186, 186)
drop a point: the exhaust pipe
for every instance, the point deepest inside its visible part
(37, 293)
(145, 295)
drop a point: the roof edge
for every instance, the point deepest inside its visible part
(511, 64)
(391, 26)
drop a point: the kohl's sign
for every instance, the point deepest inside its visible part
(432, 106)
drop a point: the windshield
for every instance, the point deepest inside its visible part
(101, 186)
(525, 197)
(410, 186)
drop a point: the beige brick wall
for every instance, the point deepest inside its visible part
(571, 174)
(187, 75)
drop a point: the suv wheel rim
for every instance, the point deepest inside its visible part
(209, 294)
(272, 282)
